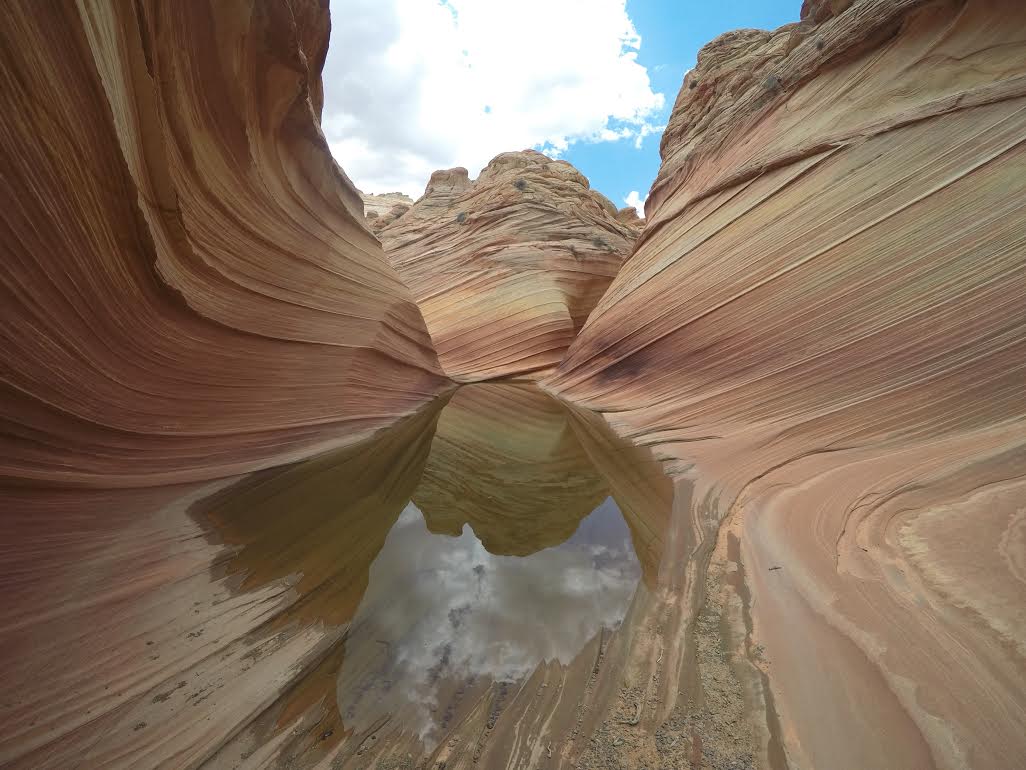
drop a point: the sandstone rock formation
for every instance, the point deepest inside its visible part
(379, 211)
(220, 624)
(187, 288)
(507, 268)
(629, 216)
(820, 334)
(822, 325)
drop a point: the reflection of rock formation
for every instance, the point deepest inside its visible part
(638, 483)
(505, 461)
(824, 316)
(321, 521)
(187, 288)
(503, 658)
(151, 642)
(417, 667)
(507, 268)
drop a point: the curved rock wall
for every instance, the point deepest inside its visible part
(823, 324)
(187, 289)
(507, 268)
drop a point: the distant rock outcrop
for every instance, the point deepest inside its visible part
(507, 268)
(187, 288)
(382, 210)
(823, 324)
(629, 216)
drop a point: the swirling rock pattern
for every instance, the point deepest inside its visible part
(187, 288)
(507, 268)
(823, 326)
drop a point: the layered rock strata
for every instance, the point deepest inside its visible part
(822, 325)
(507, 268)
(238, 623)
(187, 289)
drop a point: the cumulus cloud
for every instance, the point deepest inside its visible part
(416, 85)
(634, 199)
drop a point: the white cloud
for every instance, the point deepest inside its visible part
(416, 85)
(646, 130)
(634, 199)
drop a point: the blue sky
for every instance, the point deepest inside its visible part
(672, 32)
(412, 86)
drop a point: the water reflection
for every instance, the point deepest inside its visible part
(464, 548)
(506, 461)
(320, 524)
(377, 601)
(442, 617)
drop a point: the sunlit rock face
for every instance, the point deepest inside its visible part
(629, 216)
(507, 268)
(823, 325)
(187, 288)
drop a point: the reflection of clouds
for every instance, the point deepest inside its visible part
(441, 613)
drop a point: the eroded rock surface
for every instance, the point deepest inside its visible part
(823, 326)
(629, 216)
(507, 268)
(187, 290)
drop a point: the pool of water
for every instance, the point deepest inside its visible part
(443, 619)
(478, 582)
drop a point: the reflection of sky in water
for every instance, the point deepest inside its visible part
(441, 614)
